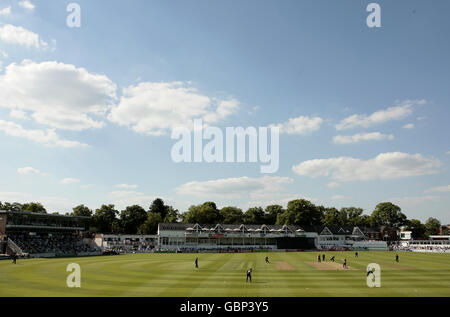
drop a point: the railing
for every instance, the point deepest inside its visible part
(238, 235)
(14, 247)
(36, 226)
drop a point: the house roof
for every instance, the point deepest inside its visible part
(319, 229)
(186, 226)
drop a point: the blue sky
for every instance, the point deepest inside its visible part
(86, 113)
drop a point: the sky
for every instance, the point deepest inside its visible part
(86, 113)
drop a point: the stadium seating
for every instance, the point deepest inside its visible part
(59, 243)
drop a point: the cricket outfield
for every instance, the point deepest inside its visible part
(288, 274)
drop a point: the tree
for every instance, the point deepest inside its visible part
(104, 218)
(432, 226)
(150, 226)
(346, 216)
(81, 211)
(34, 207)
(205, 213)
(159, 207)
(388, 214)
(364, 221)
(330, 217)
(417, 228)
(272, 212)
(343, 217)
(301, 212)
(285, 218)
(254, 215)
(132, 218)
(354, 216)
(231, 215)
(172, 216)
(11, 207)
(116, 227)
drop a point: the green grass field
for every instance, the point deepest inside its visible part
(288, 274)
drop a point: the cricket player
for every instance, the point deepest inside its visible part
(249, 275)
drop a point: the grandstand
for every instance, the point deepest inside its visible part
(45, 235)
(438, 244)
(185, 237)
(126, 243)
(350, 238)
(223, 237)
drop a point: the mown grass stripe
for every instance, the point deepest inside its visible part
(224, 275)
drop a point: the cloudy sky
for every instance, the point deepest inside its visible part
(86, 113)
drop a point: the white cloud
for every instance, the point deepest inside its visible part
(448, 153)
(340, 197)
(372, 136)
(409, 126)
(154, 108)
(224, 109)
(59, 95)
(300, 125)
(5, 11)
(280, 199)
(18, 35)
(413, 200)
(125, 193)
(27, 4)
(86, 186)
(13, 197)
(45, 137)
(127, 186)
(18, 114)
(235, 188)
(57, 204)
(439, 189)
(69, 180)
(28, 170)
(392, 113)
(51, 203)
(384, 166)
(333, 185)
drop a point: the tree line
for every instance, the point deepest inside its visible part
(136, 220)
